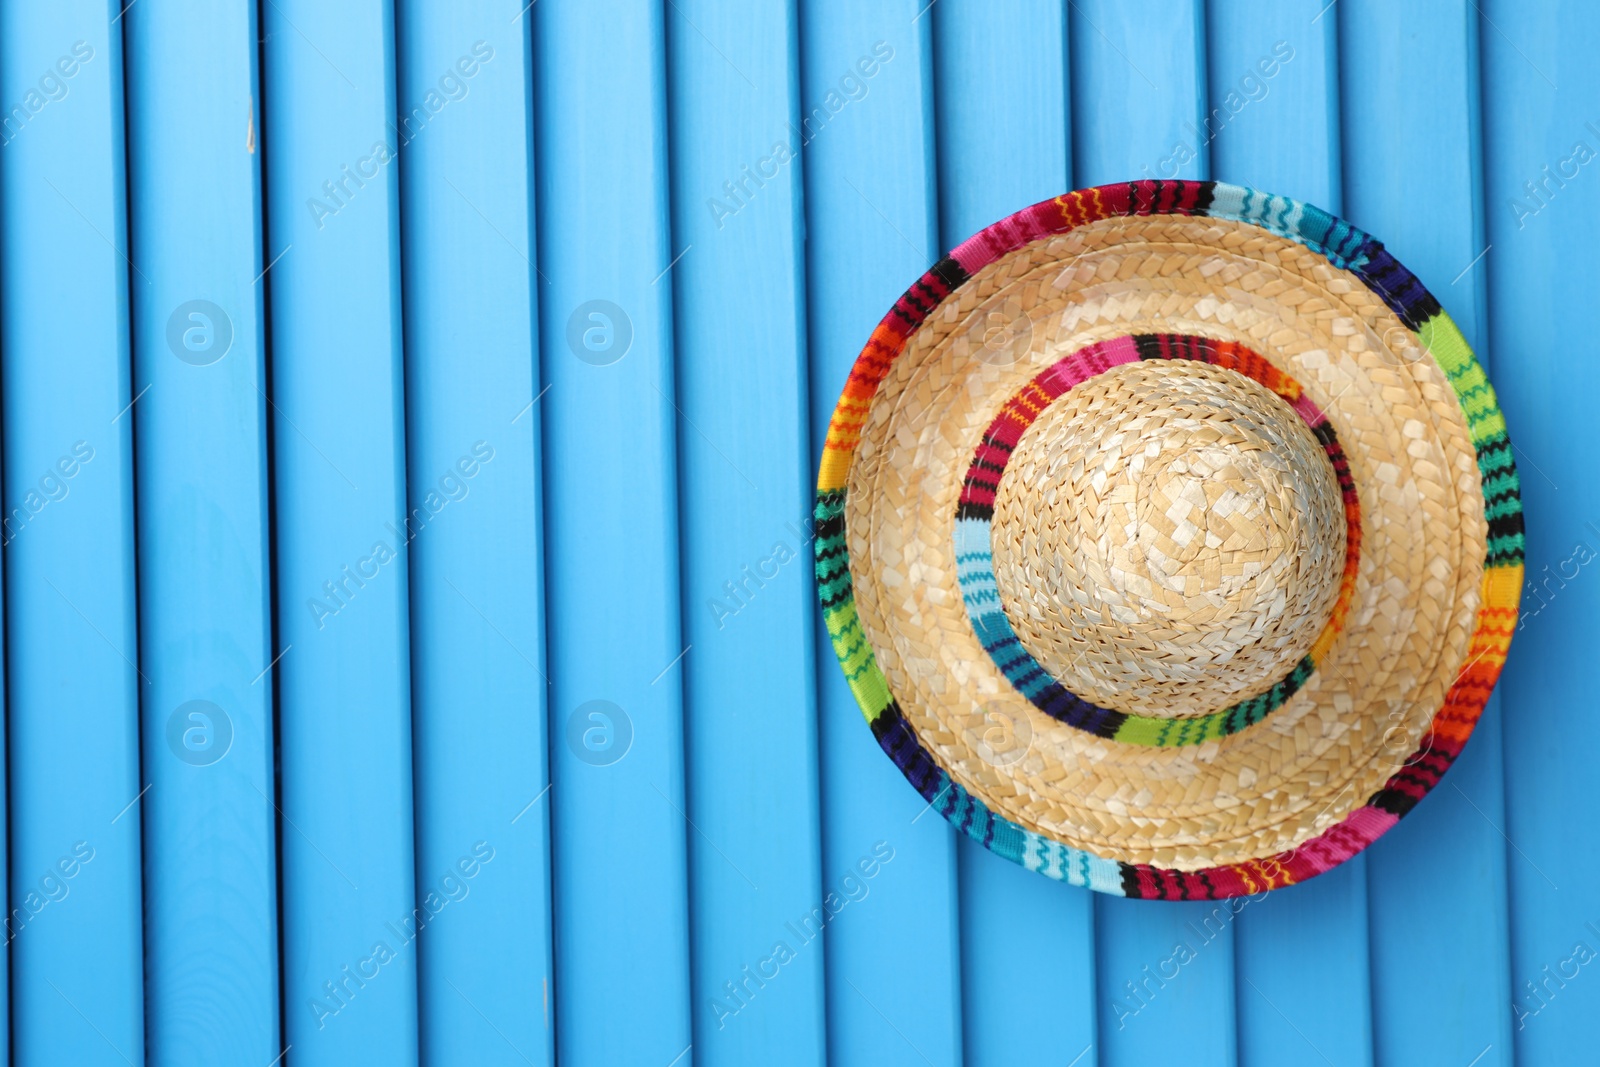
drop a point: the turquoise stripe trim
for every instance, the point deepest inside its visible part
(1073, 866)
(1319, 231)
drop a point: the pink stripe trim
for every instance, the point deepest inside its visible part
(1309, 411)
(1007, 235)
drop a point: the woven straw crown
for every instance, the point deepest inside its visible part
(1169, 537)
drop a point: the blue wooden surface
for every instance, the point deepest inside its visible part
(553, 302)
(479, 681)
(1543, 233)
(205, 629)
(744, 462)
(616, 648)
(74, 925)
(332, 262)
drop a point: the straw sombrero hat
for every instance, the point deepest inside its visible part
(1169, 537)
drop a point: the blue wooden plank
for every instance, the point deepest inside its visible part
(872, 228)
(1273, 123)
(1138, 91)
(74, 927)
(1273, 78)
(620, 878)
(1541, 139)
(1301, 965)
(1003, 141)
(349, 928)
(745, 476)
(211, 909)
(474, 532)
(1139, 104)
(1437, 882)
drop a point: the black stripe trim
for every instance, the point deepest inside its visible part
(1507, 525)
(1148, 345)
(950, 272)
(1393, 801)
(975, 511)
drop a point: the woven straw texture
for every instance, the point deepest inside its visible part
(1169, 536)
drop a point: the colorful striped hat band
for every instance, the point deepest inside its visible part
(1169, 537)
